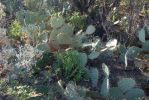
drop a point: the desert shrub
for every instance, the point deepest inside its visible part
(15, 30)
(78, 20)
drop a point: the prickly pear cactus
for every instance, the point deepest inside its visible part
(56, 21)
(94, 76)
(63, 38)
(126, 83)
(126, 90)
(53, 39)
(105, 87)
(146, 46)
(62, 33)
(67, 28)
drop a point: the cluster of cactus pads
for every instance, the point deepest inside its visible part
(62, 35)
(134, 51)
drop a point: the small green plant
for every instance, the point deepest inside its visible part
(77, 20)
(70, 65)
(15, 30)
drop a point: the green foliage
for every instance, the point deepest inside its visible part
(68, 66)
(79, 21)
(15, 30)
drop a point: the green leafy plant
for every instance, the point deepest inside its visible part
(15, 30)
(70, 66)
(77, 20)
